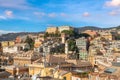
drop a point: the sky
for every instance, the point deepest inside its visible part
(37, 15)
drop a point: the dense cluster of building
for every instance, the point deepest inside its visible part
(96, 57)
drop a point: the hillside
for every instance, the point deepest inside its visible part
(92, 28)
(12, 36)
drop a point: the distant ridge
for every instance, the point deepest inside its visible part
(12, 36)
(93, 28)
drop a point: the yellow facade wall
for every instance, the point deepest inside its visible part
(11, 43)
(67, 76)
(4, 44)
(7, 43)
(52, 30)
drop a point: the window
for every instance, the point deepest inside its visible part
(64, 78)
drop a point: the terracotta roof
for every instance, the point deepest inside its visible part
(83, 64)
(103, 75)
(38, 61)
(95, 74)
(54, 59)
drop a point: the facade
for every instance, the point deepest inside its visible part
(52, 30)
(62, 28)
(7, 43)
(106, 34)
(22, 46)
(10, 49)
(25, 58)
(66, 48)
(62, 75)
(18, 39)
(37, 45)
(81, 44)
(21, 39)
(63, 36)
(36, 67)
(51, 47)
(16, 70)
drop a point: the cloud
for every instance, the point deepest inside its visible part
(39, 14)
(63, 14)
(19, 4)
(86, 14)
(113, 13)
(52, 15)
(2, 17)
(113, 3)
(9, 13)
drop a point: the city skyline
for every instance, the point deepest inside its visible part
(37, 15)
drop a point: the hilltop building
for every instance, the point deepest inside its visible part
(62, 28)
(52, 30)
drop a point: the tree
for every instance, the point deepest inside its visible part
(68, 32)
(30, 42)
(51, 34)
(71, 45)
(118, 27)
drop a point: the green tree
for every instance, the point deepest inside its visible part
(69, 32)
(51, 34)
(30, 41)
(72, 45)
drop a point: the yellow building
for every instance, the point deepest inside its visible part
(4, 44)
(62, 75)
(52, 30)
(16, 70)
(25, 58)
(38, 67)
(91, 55)
(7, 43)
(35, 69)
(22, 61)
(37, 43)
(11, 43)
(106, 34)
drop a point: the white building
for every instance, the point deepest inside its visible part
(11, 49)
(66, 48)
(62, 28)
(16, 48)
